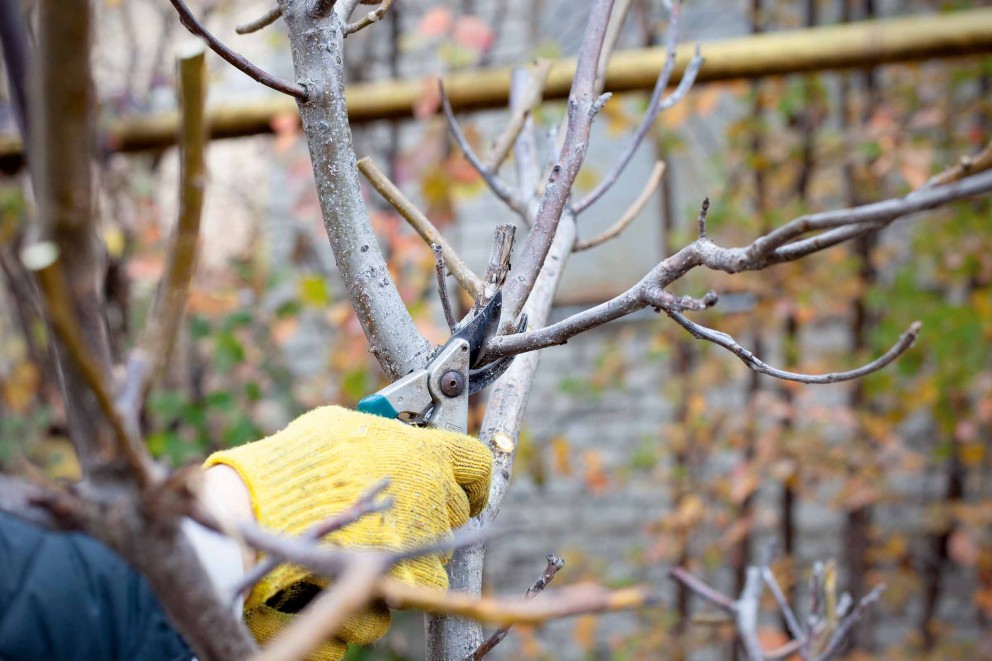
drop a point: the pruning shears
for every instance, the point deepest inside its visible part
(437, 395)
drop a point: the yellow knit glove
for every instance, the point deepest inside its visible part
(320, 465)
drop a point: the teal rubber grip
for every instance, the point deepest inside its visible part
(376, 404)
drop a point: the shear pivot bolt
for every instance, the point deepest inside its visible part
(452, 383)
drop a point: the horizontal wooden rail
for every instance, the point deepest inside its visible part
(854, 45)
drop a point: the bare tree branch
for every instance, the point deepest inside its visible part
(318, 57)
(655, 106)
(155, 346)
(190, 22)
(263, 21)
(554, 566)
(424, 227)
(496, 185)
(451, 636)
(573, 600)
(582, 106)
(369, 18)
(761, 253)
(629, 215)
(722, 339)
(775, 246)
(791, 622)
(746, 615)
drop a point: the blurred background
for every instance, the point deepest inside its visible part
(641, 448)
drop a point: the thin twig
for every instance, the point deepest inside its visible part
(369, 18)
(442, 287)
(366, 504)
(523, 107)
(727, 342)
(775, 246)
(629, 215)
(155, 346)
(966, 166)
(265, 20)
(704, 209)
(852, 618)
(392, 194)
(496, 185)
(573, 600)
(655, 106)
(759, 254)
(238, 61)
(554, 566)
(791, 622)
(706, 592)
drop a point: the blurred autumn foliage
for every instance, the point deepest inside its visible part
(904, 457)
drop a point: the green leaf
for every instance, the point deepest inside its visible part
(355, 384)
(313, 291)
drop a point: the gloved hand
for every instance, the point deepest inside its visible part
(320, 465)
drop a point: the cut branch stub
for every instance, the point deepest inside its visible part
(498, 266)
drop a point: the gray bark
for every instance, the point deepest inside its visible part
(317, 46)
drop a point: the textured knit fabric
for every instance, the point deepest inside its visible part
(320, 465)
(66, 596)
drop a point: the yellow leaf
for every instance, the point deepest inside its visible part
(587, 178)
(313, 291)
(690, 511)
(561, 455)
(113, 237)
(20, 386)
(585, 632)
(617, 120)
(972, 454)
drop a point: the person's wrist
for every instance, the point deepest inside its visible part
(228, 498)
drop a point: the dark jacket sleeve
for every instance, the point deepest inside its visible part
(66, 596)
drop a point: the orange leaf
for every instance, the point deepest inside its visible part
(584, 633)
(435, 22)
(430, 99)
(595, 475)
(962, 548)
(471, 32)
